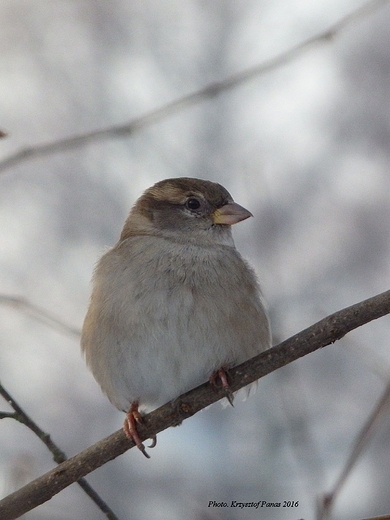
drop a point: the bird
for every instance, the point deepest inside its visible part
(173, 303)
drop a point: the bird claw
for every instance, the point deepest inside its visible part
(133, 417)
(222, 375)
(230, 397)
(154, 441)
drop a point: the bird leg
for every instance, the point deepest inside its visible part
(133, 417)
(222, 375)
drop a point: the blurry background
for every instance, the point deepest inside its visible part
(305, 147)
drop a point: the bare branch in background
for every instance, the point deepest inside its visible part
(319, 335)
(382, 517)
(39, 314)
(326, 502)
(194, 98)
(58, 455)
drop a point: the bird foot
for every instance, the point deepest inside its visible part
(133, 417)
(222, 375)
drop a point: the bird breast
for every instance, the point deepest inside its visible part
(168, 315)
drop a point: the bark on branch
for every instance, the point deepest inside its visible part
(322, 333)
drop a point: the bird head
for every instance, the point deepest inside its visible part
(185, 209)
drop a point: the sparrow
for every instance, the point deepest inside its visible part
(173, 302)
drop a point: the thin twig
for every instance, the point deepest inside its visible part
(8, 415)
(58, 455)
(327, 501)
(39, 314)
(193, 98)
(319, 335)
(382, 517)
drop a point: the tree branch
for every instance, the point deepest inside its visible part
(39, 314)
(193, 98)
(325, 503)
(322, 333)
(58, 455)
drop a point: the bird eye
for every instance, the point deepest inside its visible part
(193, 204)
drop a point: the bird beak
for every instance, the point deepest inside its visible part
(230, 214)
